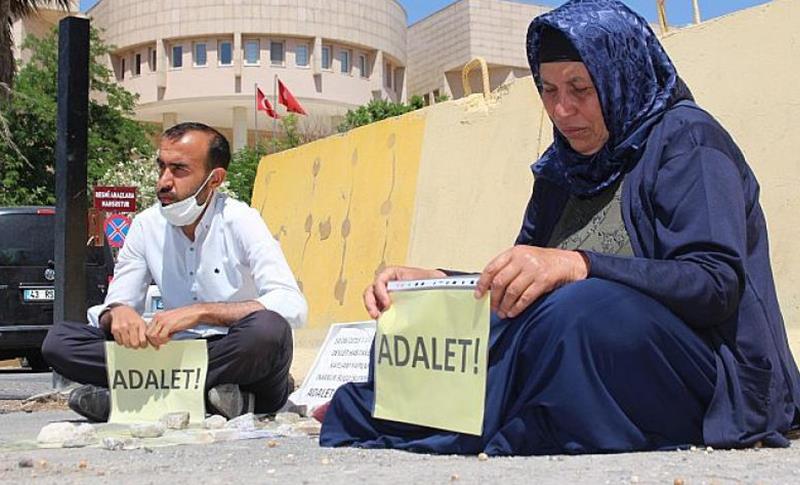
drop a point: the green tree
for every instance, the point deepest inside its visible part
(28, 157)
(376, 110)
(11, 10)
(244, 163)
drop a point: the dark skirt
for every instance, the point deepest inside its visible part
(593, 367)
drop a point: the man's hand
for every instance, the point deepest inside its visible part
(518, 276)
(376, 296)
(169, 322)
(127, 327)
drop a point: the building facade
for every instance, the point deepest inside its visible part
(202, 59)
(442, 43)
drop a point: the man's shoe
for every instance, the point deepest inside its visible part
(229, 400)
(91, 402)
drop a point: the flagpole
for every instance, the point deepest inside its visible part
(255, 118)
(275, 120)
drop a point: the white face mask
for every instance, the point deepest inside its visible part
(186, 211)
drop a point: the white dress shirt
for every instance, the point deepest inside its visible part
(233, 258)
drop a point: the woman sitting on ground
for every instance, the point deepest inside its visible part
(637, 310)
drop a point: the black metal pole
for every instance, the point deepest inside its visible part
(71, 159)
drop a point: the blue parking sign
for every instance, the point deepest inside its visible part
(116, 228)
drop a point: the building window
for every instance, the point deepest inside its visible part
(122, 69)
(225, 53)
(344, 61)
(387, 75)
(177, 56)
(301, 55)
(200, 54)
(252, 52)
(326, 57)
(137, 65)
(152, 59)
(276, 53)
(362, 65)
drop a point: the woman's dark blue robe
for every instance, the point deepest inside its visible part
(683, 343)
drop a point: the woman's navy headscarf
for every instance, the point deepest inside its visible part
(635, 81)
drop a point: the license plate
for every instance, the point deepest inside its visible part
(39, 294)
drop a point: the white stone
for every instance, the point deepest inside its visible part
(56, 433)
(148, 430)
(176, 420)
(287, 418)
(115, 444)
(215, 422)
(84, 435)
(245, 422)
(229, 434)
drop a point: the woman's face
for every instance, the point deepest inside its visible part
(571, 102)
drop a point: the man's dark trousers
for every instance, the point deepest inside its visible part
(256, 354)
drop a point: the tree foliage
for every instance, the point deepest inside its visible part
(11, 10)
(376, 110)
(244, 163)
(27, 158)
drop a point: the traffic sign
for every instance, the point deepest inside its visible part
(115, 199)
(116, 228)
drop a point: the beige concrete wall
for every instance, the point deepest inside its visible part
(38, 24)
(745, 69)
(474, 179)
(379, 24)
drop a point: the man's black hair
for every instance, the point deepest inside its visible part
(219, 152)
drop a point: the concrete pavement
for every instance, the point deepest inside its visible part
(301, 460)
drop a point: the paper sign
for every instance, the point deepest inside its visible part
(343, 358)
(430, 359)
(147, 383)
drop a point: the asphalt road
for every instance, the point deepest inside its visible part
(22, 384)
(301, 460)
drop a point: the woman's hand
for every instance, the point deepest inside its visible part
(518, 276)
(376, 296)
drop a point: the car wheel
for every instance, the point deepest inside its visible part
(36, 362)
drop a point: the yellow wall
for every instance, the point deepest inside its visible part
(341, 208)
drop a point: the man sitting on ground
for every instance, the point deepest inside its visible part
(222, 277)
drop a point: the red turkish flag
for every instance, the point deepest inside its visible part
(263, 104)
(285, 98)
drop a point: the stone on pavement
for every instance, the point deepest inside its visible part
(287, 418)
(245, 422)
(215, 422)
(55, 433)
(115, 444)
(84, 435)
(176, 420)
(148, 430)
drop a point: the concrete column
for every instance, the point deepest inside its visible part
(316, 56)
(402, 90)
(168, 120)
(377, 75)
(161, 64)
(239, 128)
(237, 53)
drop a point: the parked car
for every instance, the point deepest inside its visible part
(27, 275)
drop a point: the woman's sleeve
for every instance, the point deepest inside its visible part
(700, 242)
